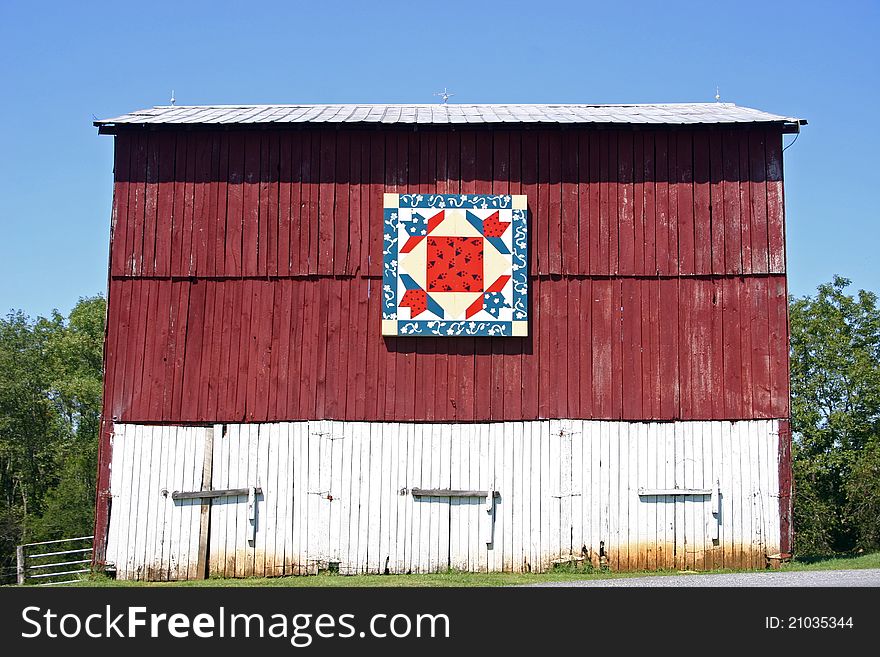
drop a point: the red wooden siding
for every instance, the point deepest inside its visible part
(264, 350)
(298, 203)
(245, 277)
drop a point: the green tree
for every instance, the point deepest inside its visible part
(50, 401)
(835, 384)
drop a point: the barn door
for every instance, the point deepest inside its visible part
(151, 535)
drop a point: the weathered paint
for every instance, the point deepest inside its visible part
(340, 492)
(281, 349)
(304, 202)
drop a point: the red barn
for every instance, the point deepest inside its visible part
(272, 405)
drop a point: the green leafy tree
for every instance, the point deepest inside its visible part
(50, 402)
(835, 383)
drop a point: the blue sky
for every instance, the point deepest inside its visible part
(66, 63)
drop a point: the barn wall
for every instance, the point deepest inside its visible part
(309, 202)
(266, 350)
(245, 272)
(332, 492)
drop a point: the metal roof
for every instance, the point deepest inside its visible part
(438, 114)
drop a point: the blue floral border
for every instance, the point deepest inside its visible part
(454, 328)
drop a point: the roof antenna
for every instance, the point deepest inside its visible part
(172, 97)
(717, 95)
(445, 95)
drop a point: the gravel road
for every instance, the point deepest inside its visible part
(867, 577)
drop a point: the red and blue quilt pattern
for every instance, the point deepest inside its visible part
(455, 264)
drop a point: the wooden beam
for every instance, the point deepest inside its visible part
(205, 511)
(448, 492)
(212, 494)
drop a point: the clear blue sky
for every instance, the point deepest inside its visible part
(66, 63)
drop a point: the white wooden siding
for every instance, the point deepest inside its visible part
(339, 492)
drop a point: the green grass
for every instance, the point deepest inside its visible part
(846, 562)
(455, 578)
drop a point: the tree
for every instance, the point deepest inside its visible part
(835, 384)
(50, 403)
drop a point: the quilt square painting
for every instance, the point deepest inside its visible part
(455, 264)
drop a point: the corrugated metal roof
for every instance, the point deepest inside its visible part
(437, 114)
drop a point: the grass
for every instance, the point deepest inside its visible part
(463, 579)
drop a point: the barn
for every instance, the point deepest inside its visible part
(413, 338)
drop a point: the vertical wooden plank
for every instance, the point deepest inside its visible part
(263, 449)
(134, 238)
(194, 337)
(558, 348)
(632, 349)
(775, 202)
(778, 337)
(518, 491)
(358, 221)
(553, 205)
(584, 193)
(551, 465)
(615, 467)
(596, 514)
(745, 206)
(337, 464)
(120, 222)
(617, 349)
(670, 378)
(420, 521)
(570, 243)
(651, 330)
(351, 490)
(760, 347)
(602, 336)
(157, 333)
(220, 187)
(529, 495)
(165, 144)
(251, 229)
(267, 245)
(299, 200)
(684, 195)
(118, 494)
(119, 330)
(377, 177)
(335, 396)
(663, 217)
(731, 353)
(132, 444)
(716, 198)
(284, 168)
(649, 532)
(607, 181)
(702, 204)
(758, 202)
(204, 204)
(311, 215)
(235, 208)
(571, 348)
(342, 218)
(732, 219)
(457, 556)
(584, 362)
(650, 203)
(151, 194)
(614, 138)
(638, 205)
(625, 219)
(543, 327)
(635, 510)
(279, 357)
